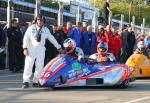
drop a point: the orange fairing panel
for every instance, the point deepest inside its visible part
(141, 64)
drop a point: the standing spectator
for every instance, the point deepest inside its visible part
(106, 12)
(101, 36)
(89, 41)
(123, 55)
(23, 29)
(75, 34)
(51, 51)
(131, 41)
(15, 47)
(2, 47)
(117, 42)
(111, 42)
(33, 44)
(84, 28)
(60, 35)
(68, 29)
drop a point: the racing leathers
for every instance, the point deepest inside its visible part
(107, 57)
(36, 50)
(77, 53)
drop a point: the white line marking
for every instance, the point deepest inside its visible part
(27, 89)
(137, 100)
(10, 75)
(4, 83)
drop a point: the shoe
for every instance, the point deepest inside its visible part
(25, 85)
(35, 85)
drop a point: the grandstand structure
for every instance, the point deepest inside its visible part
(25, 11)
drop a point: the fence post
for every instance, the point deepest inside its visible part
(143, 26)
(60, 14)
(8, 26)
(121, 22)
(110, 19)
(12, 12)
(37, 10)
(133, 22)
(8, 14)
(78, 15)
(94, 21)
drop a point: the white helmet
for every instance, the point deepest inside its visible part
(141, 44)
(69, 45)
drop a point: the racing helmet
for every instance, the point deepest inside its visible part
(102, 47)
(141, 44)
(69, 45)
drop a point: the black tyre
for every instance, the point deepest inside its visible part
(125, 83)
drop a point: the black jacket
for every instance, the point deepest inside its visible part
(60, 36)
(131, 42)
(14, 35)
(2, 37)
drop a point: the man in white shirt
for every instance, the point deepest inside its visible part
(34, 50)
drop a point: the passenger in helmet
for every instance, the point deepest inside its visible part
(103, 55)
(142, 48)
(70, 49)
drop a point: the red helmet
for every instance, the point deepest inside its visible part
(102, 48)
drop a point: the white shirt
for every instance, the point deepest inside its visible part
(30, 41)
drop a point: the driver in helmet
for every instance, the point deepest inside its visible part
(70, 49)
(103, 55)
(142, 48)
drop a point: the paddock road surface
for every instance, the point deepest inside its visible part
(11, 92)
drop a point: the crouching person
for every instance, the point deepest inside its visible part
(103, 55)
(34, 50)
(142, 48)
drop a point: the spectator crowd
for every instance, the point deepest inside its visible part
(121, 43)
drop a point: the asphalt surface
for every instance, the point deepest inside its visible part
(11, 92)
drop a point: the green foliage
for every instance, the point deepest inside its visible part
(49, 3)
(139, 12)
(118, 7)
(32, 1)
